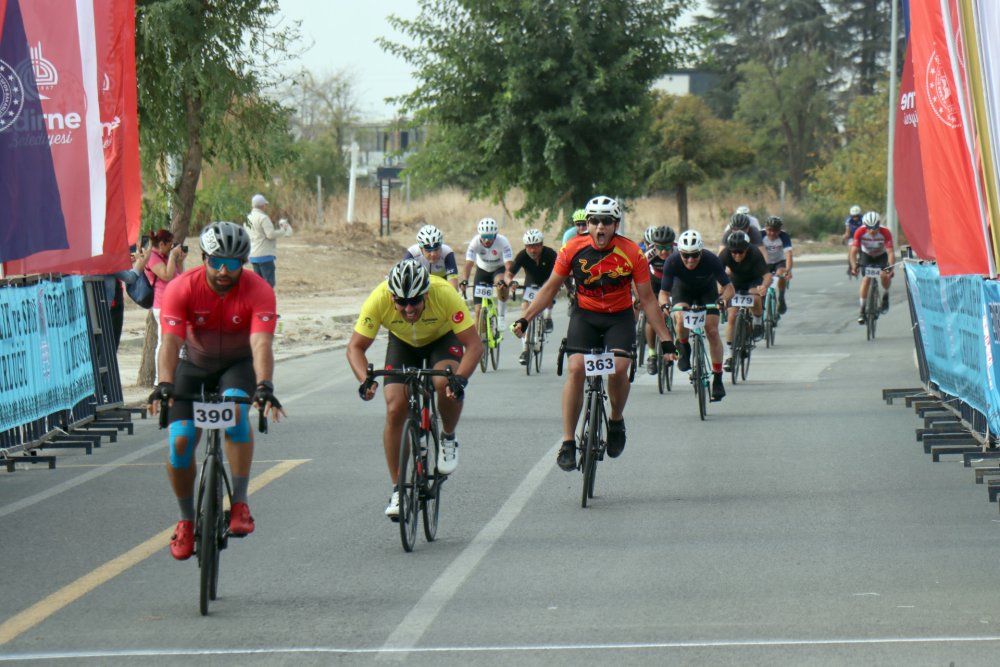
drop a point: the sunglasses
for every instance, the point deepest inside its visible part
(488, 237)
(662, 247)
(403, 303)
(690, 255)
(737, 252)
(581, 223)
(431, 248)
(607, 222)
(231, 264)
(532, 245)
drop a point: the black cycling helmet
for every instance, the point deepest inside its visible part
(663, 236)
(773, 222)
(225, 239)
(739, 221)
(738, 241)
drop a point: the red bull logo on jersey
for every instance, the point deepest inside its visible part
(613, 265)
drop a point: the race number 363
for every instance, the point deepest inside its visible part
(214, 415)
(599, 364)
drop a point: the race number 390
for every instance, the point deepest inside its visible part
(214, 415)
(599, 364)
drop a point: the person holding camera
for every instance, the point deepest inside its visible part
(166, 260)
(264, 238)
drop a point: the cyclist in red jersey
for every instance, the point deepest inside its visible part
(605, 267)
(224, 317)
(872, 246)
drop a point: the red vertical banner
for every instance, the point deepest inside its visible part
(952, 205)
(82, 57)
(908, 175)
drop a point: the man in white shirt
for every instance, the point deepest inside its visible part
(263, 238)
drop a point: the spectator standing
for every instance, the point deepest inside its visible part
(263, 238)
(166, 260)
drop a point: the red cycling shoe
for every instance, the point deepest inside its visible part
(182, 542)
(240, 521)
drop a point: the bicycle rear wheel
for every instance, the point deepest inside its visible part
(432, 495)
(209, 526)
(408, 483)
(495, 350)
(529, 336)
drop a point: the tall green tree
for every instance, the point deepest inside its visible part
(548, 97)
(863, 29)
(203, 67)
(691, 145)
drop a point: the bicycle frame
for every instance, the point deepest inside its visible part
(701, 367)
(489, 331)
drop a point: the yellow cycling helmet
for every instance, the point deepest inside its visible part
(579, 215)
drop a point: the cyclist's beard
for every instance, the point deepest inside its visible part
(221, 284)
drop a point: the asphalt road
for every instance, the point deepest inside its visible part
(800, 524)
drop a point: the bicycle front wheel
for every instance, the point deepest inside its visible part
(539, 347)
(739, 340)
(770, 318)
(530, 347)
(208, 527)
(593, 432)
(408, 483)
(432, 495)
(699, 373)
(871, 309)
(485, 338)
(495, 350)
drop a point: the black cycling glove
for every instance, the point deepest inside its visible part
(458, 384)
(668, 347)
(265, 395)
(365, 386)
(163, 392)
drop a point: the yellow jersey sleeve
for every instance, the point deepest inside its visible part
(373, 311)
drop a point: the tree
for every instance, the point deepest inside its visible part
(691, 145)
(855, 172)
(548, 97)
(202, 67)
(863, 37)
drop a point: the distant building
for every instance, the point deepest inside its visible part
(382, 143)
(687, 82)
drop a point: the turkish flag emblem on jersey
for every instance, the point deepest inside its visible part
(458, 317)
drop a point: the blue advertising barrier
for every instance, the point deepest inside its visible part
(959, 328)
(45, 357)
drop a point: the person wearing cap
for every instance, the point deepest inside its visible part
(264, 238)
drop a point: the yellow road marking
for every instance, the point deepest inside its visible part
(42, 609)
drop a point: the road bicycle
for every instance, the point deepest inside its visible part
(419, 482)
(591, 439)
(743, 342)
(535, 336)
(873, 302)
(213, 413)
(665, 369)
(489, 327)
(640, 335)
(771, 315)
(701, 368)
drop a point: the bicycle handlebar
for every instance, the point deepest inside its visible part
(408, 371)
(565, 349)
(210, 398)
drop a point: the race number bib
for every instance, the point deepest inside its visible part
(742, 301)
(483, 291)
(529, 293)
(214, 415)
(694, 320)
(872, 272)
(599, 364)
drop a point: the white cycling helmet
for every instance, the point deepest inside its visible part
(533, 236)
(429, 235)
(855, 210)
(602, 206)
(409, 279)
(871, 220)
(690, 241)
(648, 234)
(487, 226)
(745, 210)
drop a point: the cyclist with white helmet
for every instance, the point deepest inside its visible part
(741, 222)
(647, 239)
(777, 249)
(490, 253)
(429, 325)
(872, 246)
(606, 267)
(537, 260)
(436, 256)
(691, 278)
(224, 317)
(579, 227)
(851, 225)
(754, 222)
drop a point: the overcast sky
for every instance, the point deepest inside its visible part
(342, 34)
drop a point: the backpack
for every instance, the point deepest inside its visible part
(141, 291)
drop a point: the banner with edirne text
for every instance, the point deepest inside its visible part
(74, 205)
(45, 360)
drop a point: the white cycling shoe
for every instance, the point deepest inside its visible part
(448, 460)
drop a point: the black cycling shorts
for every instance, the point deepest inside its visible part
(705, 297)
(882, 261)
(399, 354)
(747, 286)
(773, 268)
(485, 277)
(189, 379)
(589, 329)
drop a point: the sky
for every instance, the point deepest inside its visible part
(339, 35)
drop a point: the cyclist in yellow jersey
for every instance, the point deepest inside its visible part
(429, 325)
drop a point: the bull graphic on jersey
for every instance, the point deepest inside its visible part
(614, 265)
